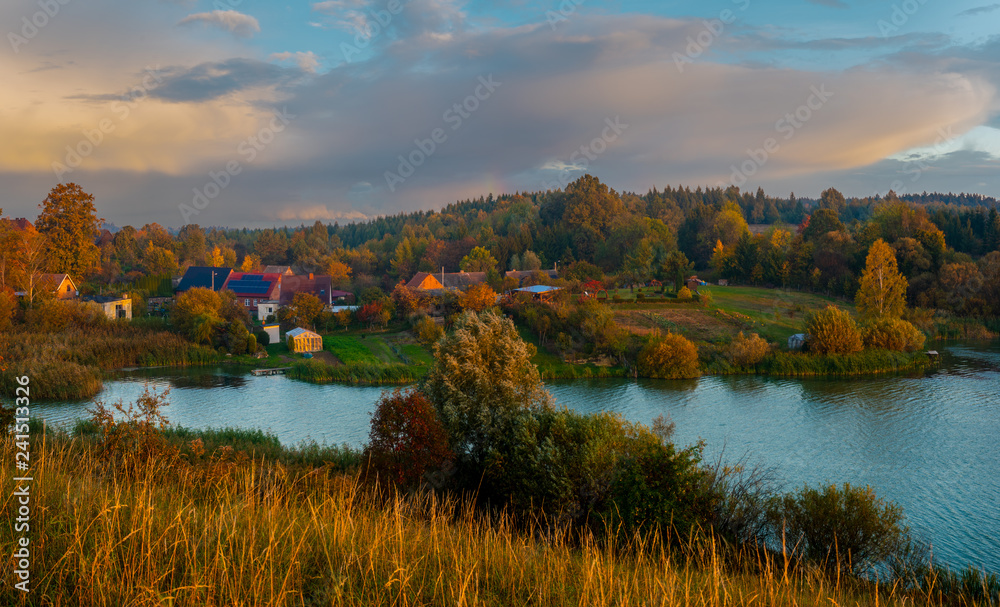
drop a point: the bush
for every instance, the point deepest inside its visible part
(407, 438)
(705, 298)
(833, 331)
(684, 294)
(747, 351)
(263, 338)
(427, 331)
(669, 357)
(846, 529)
(892, 334)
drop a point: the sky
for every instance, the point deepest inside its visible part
(258, 113)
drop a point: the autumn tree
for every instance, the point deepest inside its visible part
(477, 298)
(478, 260)
(590, 203)
(481, 380)
(833, 331)
(883, 288)
(157, 260)
(407, 438)
(215, 258)
(674, 266)
(272, 246)
(69, 223)
(339, 272)
(197, 313)
(251, 263)
(305, 309)
(29, 261)
(833, 200)
(671, 356)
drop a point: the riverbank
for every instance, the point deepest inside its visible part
(230, 517)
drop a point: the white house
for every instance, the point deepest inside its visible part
(267, 308)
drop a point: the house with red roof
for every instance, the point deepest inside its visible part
(251, 289)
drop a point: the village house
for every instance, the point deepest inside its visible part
(114, 306)
(252, 289)
(267, 309)
(304, 340)
(320, 285)
(204, 277)
(425, 281)
(60, 284)
(285, 270)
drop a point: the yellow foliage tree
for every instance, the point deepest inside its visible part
(669, 357)
(250, 263)
(833, 331)
(477, 298)
(883, 289)
(748, 350)
(340, 273)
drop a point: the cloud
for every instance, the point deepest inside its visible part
(208, 81)
(307, 61)
(979, 10)
(241, 25)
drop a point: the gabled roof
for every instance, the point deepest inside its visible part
(300, 331)
(262, 286)
(419, 281)
(18, 224)
(201, 276)
(278, 270)
(54, 281)
(319, 285)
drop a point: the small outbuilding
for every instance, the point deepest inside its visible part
(693, 283)
(272, 333)
(304, 340)
(114, 307)
(797, 341)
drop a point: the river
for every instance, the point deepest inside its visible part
(929, 442)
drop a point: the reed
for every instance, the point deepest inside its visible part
(213, 528)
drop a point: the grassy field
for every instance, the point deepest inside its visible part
(775, 314)
(213, 526)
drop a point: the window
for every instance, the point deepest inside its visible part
(246, 302)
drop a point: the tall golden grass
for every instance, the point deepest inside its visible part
(218, 529)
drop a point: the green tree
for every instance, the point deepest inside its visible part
(833, 331)
(69, 223)
(675, 265)
(196, 314)
(478, 260)
(844, 528)
(481, 380)
(833, 200)
(883, 288)
(590, 203)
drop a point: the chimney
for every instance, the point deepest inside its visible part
(310, 275)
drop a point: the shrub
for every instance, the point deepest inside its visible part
(669, 357)
(833, 331)
(135, 438)
(427, 331)
(846, 529)
(263, 338)
(748, 350)
(892, 334)
(684, 294)
(407, 438)
(705, 298)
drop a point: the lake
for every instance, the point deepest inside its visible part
(929, 442)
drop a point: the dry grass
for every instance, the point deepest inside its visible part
(229, 531)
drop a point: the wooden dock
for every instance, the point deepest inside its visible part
(277, 371)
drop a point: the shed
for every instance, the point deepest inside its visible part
(797, 341)
(272, 333)
(114, 307)
(304, 340)
(693, 283)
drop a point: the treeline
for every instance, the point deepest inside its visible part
(944, 242)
